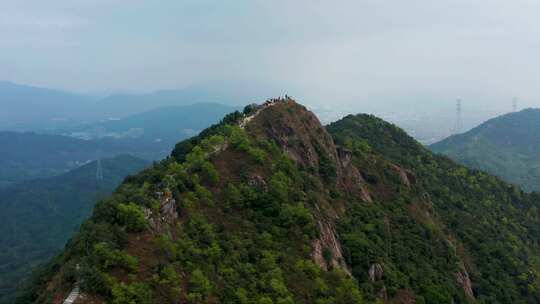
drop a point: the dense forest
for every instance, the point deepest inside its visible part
(269, 206)
(39, 216)
(507, 146)
(492, 226)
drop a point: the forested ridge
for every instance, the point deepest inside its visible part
(269, 206)
(507, 146)
(492, 225)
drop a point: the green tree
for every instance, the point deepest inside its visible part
(200, 287)
(135, 293)
(132, 216)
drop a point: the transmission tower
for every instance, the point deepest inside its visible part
(99, 171)
(514, 104)
(457, 127)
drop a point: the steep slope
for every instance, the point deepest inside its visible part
(507, 146)
(270, 207)
(39, 216)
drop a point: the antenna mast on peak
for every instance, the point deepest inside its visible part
(514, 104)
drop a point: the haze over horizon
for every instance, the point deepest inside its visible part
(349, 54)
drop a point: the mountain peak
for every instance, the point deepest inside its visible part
(297, 130)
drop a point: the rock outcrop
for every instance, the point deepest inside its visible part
(465, 281)
(375, 272)
(167, 214)
(327, 252)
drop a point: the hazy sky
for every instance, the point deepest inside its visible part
(325, 51)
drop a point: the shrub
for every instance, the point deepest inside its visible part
(169, 281)
(209, 173)
(132, 216)
(239, 139)
(258, 154)
(92, 280)
(136, 293)
(199, 287)
(108, 257)
(297, 215)
(233, 197)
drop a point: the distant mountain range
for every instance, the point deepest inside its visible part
(39, 216)
(507, 146)
(122, 105)
(38, 109)
(26, 107)
(169, 123)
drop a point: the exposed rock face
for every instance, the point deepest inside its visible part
(406, 176)
(353, 181)
(301, 135)
(298, 131)
(351, 178)
(257, 181)
(345, 156)
(327, 252)
(167, 212)
(465, 281)
(375, 272)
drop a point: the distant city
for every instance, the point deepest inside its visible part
(426, 127)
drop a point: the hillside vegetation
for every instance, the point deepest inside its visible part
(507, 146)
(39, 216)
(270, 207)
